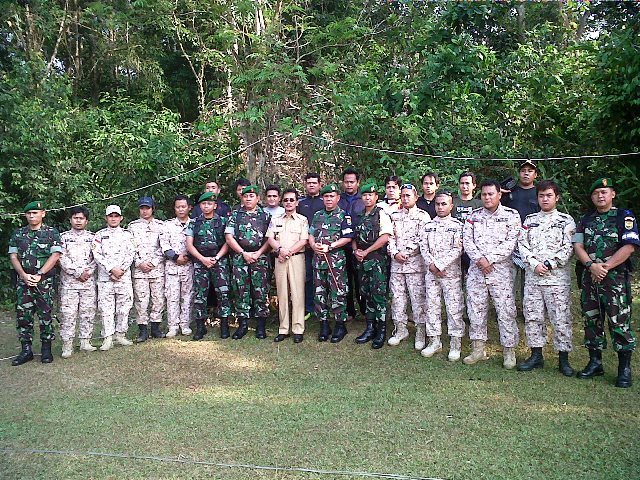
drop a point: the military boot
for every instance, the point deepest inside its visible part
(261, 328)
(381, 335)
(399, 334)
(242, 329)
(509, 357)
(143, 335)
(45, 352)
(536, 360)
(338, 332)
(25, 355)
(477, 353)
(368, 334)
(67, 348)
(563, 364)
(435, 346)
(120, 339)
(107, 344)
(224, 328)
(624, 369)
(421, 336)
(455, 346)
(201, 330)
(155, 330)
(85, 345)
(594, 367)
(325, 331)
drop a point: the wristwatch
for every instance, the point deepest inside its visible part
(39, 272)
(588, 264)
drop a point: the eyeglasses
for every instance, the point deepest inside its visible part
(289, 200)
(407, 186)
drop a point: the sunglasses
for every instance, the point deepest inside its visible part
(407, 186)
(289, 200)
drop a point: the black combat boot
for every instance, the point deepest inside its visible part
(381, 335)
(624, 369)
(143, 335)
(25, 355)
(325, 331)
(368, 334)
(224, 328)
(338, 332)
(155, 330)
(536, 360)
(563, 364)
(261, 328)
(45, 352)
(201, 330)
(594, 367)
(242, 330)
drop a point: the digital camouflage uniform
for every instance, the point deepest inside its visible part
(77, 299)
(330, 274)
(251, 281)
(208, 238)
(373, 271)
(547, 236)
(33, 248)
(602, 234)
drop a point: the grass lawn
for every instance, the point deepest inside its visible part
(313, 405)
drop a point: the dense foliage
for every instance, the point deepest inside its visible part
(103, 97)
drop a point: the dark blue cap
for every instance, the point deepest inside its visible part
(146, 202)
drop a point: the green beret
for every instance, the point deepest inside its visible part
(35, 205)
(369, 188)
(251, 189)
(331, 188)
(602, 183)
(208, 196)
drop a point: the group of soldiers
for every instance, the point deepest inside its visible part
(333, 252)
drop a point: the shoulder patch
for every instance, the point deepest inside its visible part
(628, 222)
(348, 219)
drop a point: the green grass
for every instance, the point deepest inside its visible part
(324, 406)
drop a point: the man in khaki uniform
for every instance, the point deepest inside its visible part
(407, 268)
(113, 251)
(77, 283)
(288, 235)
(178, 278)
(148, 275)
(490, 236)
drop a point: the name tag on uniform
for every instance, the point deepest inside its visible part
(502, 220)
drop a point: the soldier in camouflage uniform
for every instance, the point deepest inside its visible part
(545, 248)
(77, 283)
(441, 249)
(178, 280)
(113, 251)
(246, 235)
(330, 230)
(148, 274)
(206, 244)
(489, 237)
(372, 262)
(407, 268)
(604, 242)
(34, 251)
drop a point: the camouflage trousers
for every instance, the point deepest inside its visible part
(251, 284)
(451, 290)
(478, 294)
(330, 293)
(556, 300)
(613, 298)
(76, 303)
(31, 301)
(408, 288)
(205, 278)
(373, 279)
(179, 295)
(115, 300)
(145, 291)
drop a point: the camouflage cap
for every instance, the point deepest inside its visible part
(250, 189)
(208, 196)
(331, 188)
(34, 205)
(604, 182)
(146, 202)
(369, 188)
(528, 163)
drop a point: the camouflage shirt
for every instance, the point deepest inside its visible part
(173, 241)
(113, 248)
(407, 227)
(77, 256)
(326, 228)
(372, 225)
(34, 247)
(146, 235)
(249, 228)
(441, 245)
(207, 233)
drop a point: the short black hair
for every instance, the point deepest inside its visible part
(291, 190)
(490, 182)
(272, 187)
(312, 175)
(241, 181)
(183, 197)
(394, 179)
(468, 174)
(351, 171)
(211, 180)
(547, 184)
(430, 174)
(80, 209)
